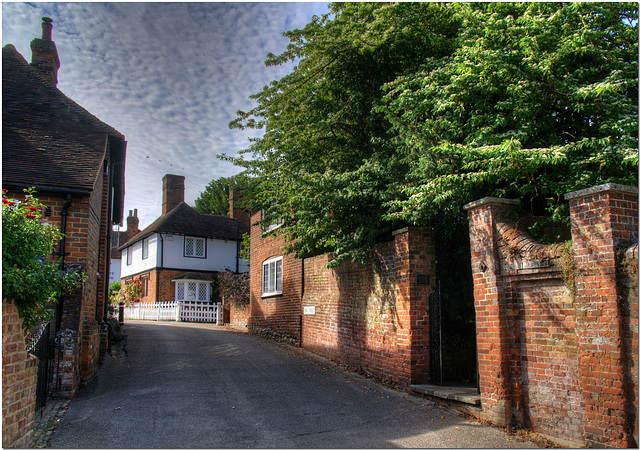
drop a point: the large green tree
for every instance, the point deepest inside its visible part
(215, 197)
(400, 113)
(539, 99)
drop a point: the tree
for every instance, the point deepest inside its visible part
(325, 164)
(215, 198)
(539, 99)
(400, 113)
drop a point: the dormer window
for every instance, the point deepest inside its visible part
(195, 247)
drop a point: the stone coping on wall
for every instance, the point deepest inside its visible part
(608, 187)
(406, 229)
(490, 200)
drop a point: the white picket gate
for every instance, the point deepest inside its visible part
(196, 311)
(186, 311)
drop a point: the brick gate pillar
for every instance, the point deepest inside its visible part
(414, 255)
(489, 300)
(602, 217)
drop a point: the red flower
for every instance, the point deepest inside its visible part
(30, 216)
(7, 202)
(32, 208)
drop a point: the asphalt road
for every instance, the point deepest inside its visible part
(200, 386)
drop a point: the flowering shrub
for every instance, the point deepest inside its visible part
(131, 292)
(28, 276)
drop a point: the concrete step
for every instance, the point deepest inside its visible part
(467, 395)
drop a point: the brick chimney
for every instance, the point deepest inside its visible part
(236, 210)
(132, 225)
(172, 192)
(44, 54)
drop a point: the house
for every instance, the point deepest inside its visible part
(117, 239)
(76, 164)
(177, 256)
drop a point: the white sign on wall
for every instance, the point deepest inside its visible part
(309, 310)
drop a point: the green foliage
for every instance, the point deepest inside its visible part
(536, 101)
(245, 250)
(401, 113)
(114, 297)
(28, 276)
(215, 198)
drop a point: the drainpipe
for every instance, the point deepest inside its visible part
(62, 253)
(238, 244)
(107, 269)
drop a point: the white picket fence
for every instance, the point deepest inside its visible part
(185, 311)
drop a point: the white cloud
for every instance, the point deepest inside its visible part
(169, 76)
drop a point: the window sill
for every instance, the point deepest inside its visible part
(273, 294)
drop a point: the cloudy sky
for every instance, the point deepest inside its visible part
(169, 76)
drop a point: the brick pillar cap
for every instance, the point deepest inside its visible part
(490, 200)
(414, 229)
(608, 187)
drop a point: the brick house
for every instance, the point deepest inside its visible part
(373, 316)
(76, 164)
(178, 255)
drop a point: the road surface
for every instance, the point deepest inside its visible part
(201, 386)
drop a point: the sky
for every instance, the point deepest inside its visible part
(169, 76)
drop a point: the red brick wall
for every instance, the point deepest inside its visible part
(275, 316)
(160, 287)
(563, 364)
(237, 316)
(85, 247)
(491, 325)
(602, 218)
(19, 380)
(414, 253)
(354, 318)
(372, 316)
(628, 288)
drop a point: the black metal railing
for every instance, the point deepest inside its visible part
(42, 347)
(435, 327)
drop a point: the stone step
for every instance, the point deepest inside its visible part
(467, 395)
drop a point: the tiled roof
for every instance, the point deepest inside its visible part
(185, 220)
(199, 276)
(117, 238)
(47, 139)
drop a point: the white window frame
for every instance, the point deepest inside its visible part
(129, 258)
(145, 286)
(272, 276)
(145, 248)
(193, 247)
(201, 291)
(265, 229)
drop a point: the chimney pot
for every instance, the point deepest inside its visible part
(46, 28)
(44, 54)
